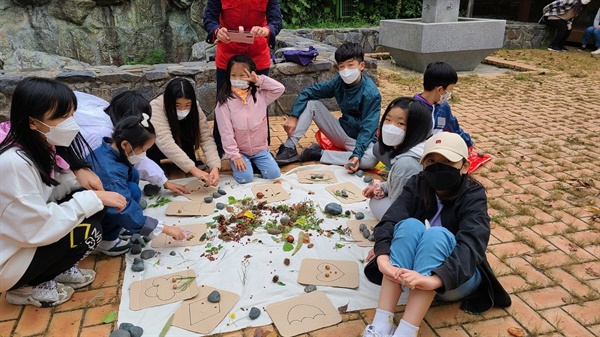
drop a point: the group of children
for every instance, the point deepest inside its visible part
(71, 165)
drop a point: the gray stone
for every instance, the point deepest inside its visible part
(148, 254)
(221, 192)
(76, 76)
(136, 331)
(310, 288)
(214, 297)
(110, 2)
(216, 195)
(273, 231)
(143, 203)
(146, 239)
(371, 237)
(366, 233)
(220, 205)
(26, 3)
(9, 82)
(137, 238)
(254, 313)
(75, 11)
(125, 326)
(137, 267)
(208, 200)
(156, 74)
(202, 51)
(333, 208)
(136, 248)
(183, 4)
(151, 190)
(120, 332)
(137, 260)
(119, 77)
(25, 59)
(359, 173)
(284, 220)
(185, 71)
(172, 253)
(367, 179)
(359, 215)
(435, 11)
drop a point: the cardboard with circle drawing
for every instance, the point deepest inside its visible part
(198, 191)
(304, 313)
(270, 192)
(358, 236)
(190, 208)
(316, 177)
(193, 234)
(201, 316)
(346, 193)
(161, 290)
(333, 273)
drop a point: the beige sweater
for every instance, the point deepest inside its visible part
(166, 142)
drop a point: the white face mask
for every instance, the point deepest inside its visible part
(445, 97)
(585, 2)
(349, 75)
(181, 114)
(392, 135)
(61, 134)
(240, 84)
(136, 158)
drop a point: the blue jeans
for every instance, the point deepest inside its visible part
(415, 248)
(588, 33)
(263, 160)
(112, 230)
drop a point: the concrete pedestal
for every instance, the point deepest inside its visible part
(463, 44)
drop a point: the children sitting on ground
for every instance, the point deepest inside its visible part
(47, 223)
(354, 133)
(433, 241)
(241, 104)
(406, 123)
(133, 135)
(438, 81)
(97, 119)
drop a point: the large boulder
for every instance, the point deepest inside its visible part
(27, 59)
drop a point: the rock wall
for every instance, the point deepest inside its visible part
(526, 35)
(102, 31)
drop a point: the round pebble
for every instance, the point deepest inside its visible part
(254, 313)
(120, 333)
(284, 220)
(143, 203)
(221, 192)
(214, 297)
(137, 267)
(216, 195)
(310, 288)
(366, 233)
(360, 173)
(136, 248)
(146, 238)
(359, 215)
(208, 200)
(172, 253)
(273, 231)
(333, 208)
(220, 205)
(362, 227)
(137, 260)
(136, 331)
(372, 237)
(148, 254)
(367, 179)
(126, 326)
(150, 190)
(480, 154)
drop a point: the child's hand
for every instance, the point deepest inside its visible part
(88, 179)
(252, 77)
(112, 199)
(179, 189)
(240, 164)
(174, 232)
(414, 280)
(352, 169)
(368, 192)
(213, 177)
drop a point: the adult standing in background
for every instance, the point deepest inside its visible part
(593, 30)
(262, 18)
(559, 15)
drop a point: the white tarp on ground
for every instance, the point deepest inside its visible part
(266, 261)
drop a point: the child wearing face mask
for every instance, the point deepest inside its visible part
(133, 135)
(354, 132)
(438, 81)
(241, 104)
(433, 241)
(181, 130)
(406, 123)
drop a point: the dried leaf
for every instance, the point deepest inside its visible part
(299, 243)
(167, 326)
(343, 308)
(517, 332)
(110, 317)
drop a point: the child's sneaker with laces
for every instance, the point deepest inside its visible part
(113, 248)
(43, 295)
(370, 331)
(76, 278)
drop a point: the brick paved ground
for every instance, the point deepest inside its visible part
(544, 196)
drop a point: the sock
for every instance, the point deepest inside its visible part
(406, 329)
(383, 321)
(106, 245)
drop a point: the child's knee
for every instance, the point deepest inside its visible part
(410, 225)
(439, 235)
(271, 173)
(243, 177)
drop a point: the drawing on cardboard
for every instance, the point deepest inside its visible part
(270, 192)
(198, 191)
(333, 273)
(316, 177)
(358, 235)
(163, 289)
(303, 313)
(346, 193)
(192, 238)
(300, 312)
(201, 316)
(190, 208)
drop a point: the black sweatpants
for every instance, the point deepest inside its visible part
(562, 33)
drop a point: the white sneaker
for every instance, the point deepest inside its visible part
(371, 332)
(47, 294)
(596, 52)
(76, 278)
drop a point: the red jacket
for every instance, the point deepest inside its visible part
(246, 13)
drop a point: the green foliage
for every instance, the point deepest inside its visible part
(154, 56)
(410, 8)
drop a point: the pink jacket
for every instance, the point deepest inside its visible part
(243, 128)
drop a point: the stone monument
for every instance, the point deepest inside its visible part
(440, 35)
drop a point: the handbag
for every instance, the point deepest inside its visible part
(302, 56)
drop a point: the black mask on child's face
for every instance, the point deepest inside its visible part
(442, 177)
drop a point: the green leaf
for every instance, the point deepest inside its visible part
(167, 326)
(231, 200)
(339, 245)
(203, 237)
(208, 245)
(280, 283)
(288, 247)
(110, 317)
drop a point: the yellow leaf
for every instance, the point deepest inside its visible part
(249, 214)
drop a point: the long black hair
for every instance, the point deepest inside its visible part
(182, 88)
(133, 129)
(34, 97)
(225, 92)
(418, 125)
(127, 103)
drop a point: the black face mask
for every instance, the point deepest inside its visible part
(442, 177)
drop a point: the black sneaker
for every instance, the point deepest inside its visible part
(564, 49)
(312, 153)
(286, 155)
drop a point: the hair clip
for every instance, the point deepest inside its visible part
(145, 119)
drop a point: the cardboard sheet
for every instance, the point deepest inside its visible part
(201, 316)
(198, 191)
(190, 208)
(317, 177)
(357, 235)
(161, 290)
(354, 194)
(303, 313)
(193, 235)
(271, 192)
(333, 273)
